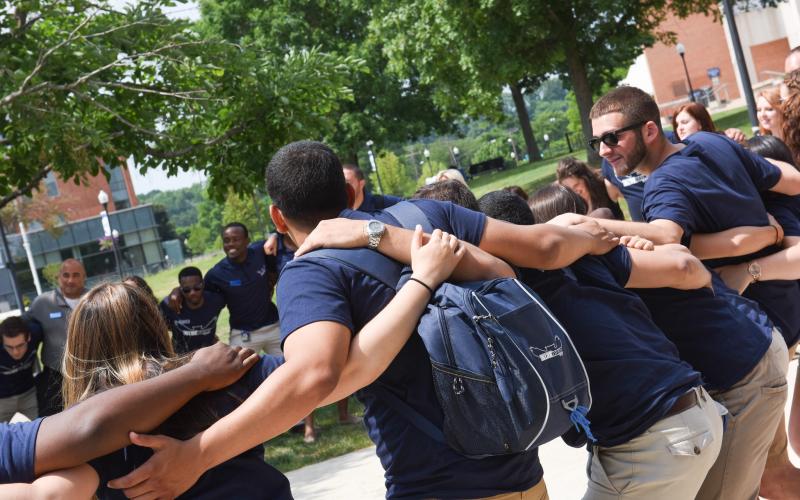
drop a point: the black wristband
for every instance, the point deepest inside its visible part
(423, 284)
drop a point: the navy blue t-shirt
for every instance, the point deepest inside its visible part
(377, 202)
(635, 372)
(244, 476)
(194, 328)
(314, 290)
(18, 451)
(711, 185)
(246, 288)
(283, 255)
(711, 330)
(16, 377)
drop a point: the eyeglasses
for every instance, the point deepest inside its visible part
(188, 289)
(611, 139)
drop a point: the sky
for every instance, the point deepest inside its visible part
(157, 178)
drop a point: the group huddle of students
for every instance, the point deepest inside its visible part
(684, 322)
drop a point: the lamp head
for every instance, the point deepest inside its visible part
(681, 49)
(102, 197)
(426, 153)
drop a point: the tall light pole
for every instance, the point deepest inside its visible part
(373, 164)
(747, 87)
(9, 263)
(454, 151)
(513, 148)
(427, 154)
(102, 198)
(682, 52)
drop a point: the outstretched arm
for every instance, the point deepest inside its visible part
(736, 241)
(101, 424)
(783, 265)
(789, 183)
(77, 482)
(396, 243)
(669, 266)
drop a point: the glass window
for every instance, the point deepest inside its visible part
(51, 184)
(152, 253)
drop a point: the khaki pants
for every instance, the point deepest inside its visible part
(537, 492)
(24, 403)
(755, 405)
(267, 338)
(668, 461)
(778, 455)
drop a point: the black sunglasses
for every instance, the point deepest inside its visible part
(611, 139)
(188, 289)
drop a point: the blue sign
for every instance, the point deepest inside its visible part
(713, 72)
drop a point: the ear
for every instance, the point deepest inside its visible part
(277, 219)
(351, 195)
(650, 132)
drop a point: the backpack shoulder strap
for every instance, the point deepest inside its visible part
(367, 261)
(409, 215)
(411, 415)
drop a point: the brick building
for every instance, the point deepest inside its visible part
(766, 35)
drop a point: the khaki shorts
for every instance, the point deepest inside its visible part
(267, 338)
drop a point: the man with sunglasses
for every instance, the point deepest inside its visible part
(195, 326)
(696, 191)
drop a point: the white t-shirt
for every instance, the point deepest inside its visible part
(72, 302)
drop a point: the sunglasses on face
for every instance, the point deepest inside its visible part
(188, 289)
(611, 139)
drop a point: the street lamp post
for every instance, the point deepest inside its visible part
(454, 151)
(427, 154)
(513, 148)
(373, 164)
(682, 52)
(102, 198)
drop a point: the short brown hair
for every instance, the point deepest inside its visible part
(13, 326)
(635, 105)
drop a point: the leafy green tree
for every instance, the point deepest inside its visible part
(386, 108)
(394, 175)
(250, 210)
(83, 80)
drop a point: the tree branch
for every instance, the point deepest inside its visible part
(165, 155)
(5, 200)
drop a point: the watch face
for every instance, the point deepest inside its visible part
(375, 227)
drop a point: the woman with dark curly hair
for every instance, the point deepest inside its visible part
(588, 184)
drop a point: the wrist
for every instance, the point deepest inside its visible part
(423, 282)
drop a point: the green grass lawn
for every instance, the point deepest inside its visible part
(733, 118)
(288, 451)
(528, 176)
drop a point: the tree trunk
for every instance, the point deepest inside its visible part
(583, 96)
(524, 123)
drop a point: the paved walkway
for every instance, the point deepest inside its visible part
(359, 476)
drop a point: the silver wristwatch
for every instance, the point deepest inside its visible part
(374, 231)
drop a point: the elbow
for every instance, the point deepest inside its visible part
(552, 252)
(319, 381)
(691, 273)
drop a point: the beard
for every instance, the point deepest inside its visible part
(635, 157)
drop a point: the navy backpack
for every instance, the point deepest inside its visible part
(505, 372)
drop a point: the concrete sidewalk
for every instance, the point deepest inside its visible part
(359, 476)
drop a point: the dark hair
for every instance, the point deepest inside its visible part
(354, 168)
(139, 282)
(699, 113)
(517, 191)
(572, 167)
(635, 105)
(555, 200)
(506, 206)
(189, 271)
(14, 326)
(769, 146)
(306, 182)
(449, 190)
(239, 225)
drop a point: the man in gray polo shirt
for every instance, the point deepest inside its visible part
(51, 311)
